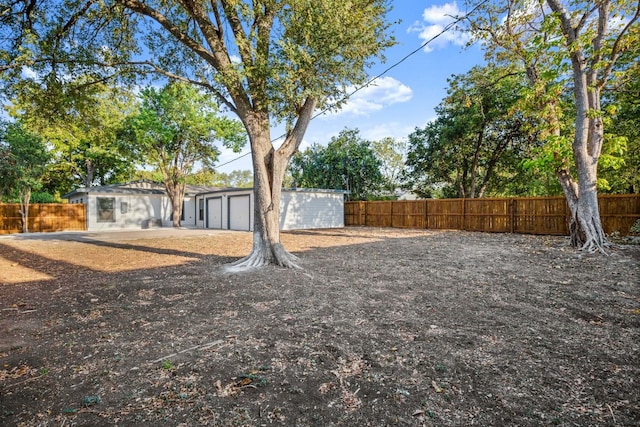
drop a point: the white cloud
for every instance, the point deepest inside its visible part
(441, 14)
(28, 73)
(393, 129)
(382, 92)
(434, 21)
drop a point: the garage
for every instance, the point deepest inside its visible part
(240, 212)
(232, 209)
(214, 212)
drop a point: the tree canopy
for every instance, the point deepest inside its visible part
(391, 153)
(23, 159)
(348, 163)
(176, 128)
(81, 119)
(479, 135)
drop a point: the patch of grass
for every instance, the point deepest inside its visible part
(167, 365)
(91, 400)
(255, 379)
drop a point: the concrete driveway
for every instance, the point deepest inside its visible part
(118, 235)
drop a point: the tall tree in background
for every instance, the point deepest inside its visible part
(391, 153)
(265, 60)
(233, 179)
(80, 118)
(570, 46)
(477, 132)
(177, 127)
(346, 163)
(7, 164)
(23, 160)
(624, 102)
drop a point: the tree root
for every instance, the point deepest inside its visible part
(262, 256)
(587, 235)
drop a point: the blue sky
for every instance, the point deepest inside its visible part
(406, 96)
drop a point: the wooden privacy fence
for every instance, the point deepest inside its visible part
(525, 215)
(44, 217)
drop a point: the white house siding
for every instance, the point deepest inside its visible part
(130, 211)
(190, 212)
(311, 209)
(135, 211)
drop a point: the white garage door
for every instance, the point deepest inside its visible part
(214, 213)
(239, 213)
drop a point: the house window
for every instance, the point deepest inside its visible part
(201, 209)
(106, 211)
(124, 207)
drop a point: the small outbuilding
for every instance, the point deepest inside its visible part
(145, 204)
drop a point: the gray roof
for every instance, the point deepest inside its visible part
(132, 188)
(112, 190)
(292, 190)
(190, 190)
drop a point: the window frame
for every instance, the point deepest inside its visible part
(102, 212)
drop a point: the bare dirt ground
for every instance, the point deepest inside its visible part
(382, 327)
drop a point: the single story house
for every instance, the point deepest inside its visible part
(145, 204)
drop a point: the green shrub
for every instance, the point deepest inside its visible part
(635, 228)
(43, 197)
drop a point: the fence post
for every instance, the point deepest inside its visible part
(464, 214)
(512, 209)
(37, 218)
(426, 214)
(393, 203)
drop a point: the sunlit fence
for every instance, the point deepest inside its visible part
(44, 217)
(525, 215)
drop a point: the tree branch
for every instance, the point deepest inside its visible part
(294, 137)
(616, 48)
(74, 18)
(145, 10)
(585, 19)
(156, 69)
(238, 33)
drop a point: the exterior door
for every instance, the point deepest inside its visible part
(240, 212)
(214, 213)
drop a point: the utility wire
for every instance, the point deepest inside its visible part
(368, 83)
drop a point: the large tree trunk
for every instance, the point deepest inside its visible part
(269, 168)
(175, 191)
(587, 231)
(25, 198)
(585, 227)
(176, 207)
(90, 169)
